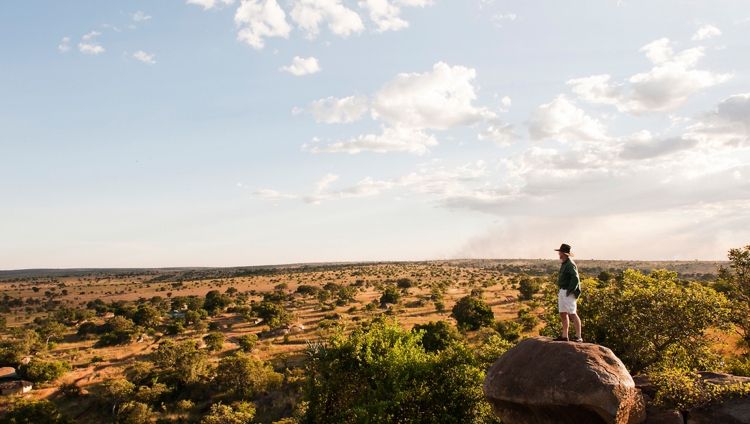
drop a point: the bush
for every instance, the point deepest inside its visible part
(214, 341)
(242, 413)
(527, 320)
(390, 295)
(686, 390)
(248, 342)
(380, 373)
(25, 411)
(528, 287)
(69, 390)
(38, 371)
(437, 335)
(245, 375)
(134, 413)
(472, 313)
(509, 330)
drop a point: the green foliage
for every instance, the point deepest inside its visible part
(381, 373)
(509, 330)
(147, 316)
(683, 390)
(69, 390)
(214, 341)
(273, 313)
(119, 330)
(242, 413)
(472, 313)
(134, 413)
(307, 290)
(140, 373)
(391, 295)
(405, 283)
(183, 362)
(39, 371)
(649, 321)
(86, 329)
(114, 392)
(215, 300)
(527, 320)
(438, 335)
(246, 376)
(27, 411)
(528, 286)
(175, 327)
(248, 341)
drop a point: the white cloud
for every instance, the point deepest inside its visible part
(727, 125)
(332, 110)
(395, 139)
(506, 101)
(409, 103)
(427, 181)
(440, 99)
(561, 120)
(503, 135)
(144, 57)
(272, 194)
(499, 18)
(310, 14)
(648, 147)
(64, 46)
(302, 66)
(140, 16)
(91, 35)
(90, 48)
(209, 4)
(706, 32)
(386, 14)
(260, 20)
(665, 88)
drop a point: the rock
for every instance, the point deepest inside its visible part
(664, 417)
(539, 381)
(733, 411)
(722, 379)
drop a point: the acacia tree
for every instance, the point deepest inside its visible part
(245, 375)
(472, 313)
(649, 321)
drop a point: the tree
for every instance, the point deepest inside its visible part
(243, 413)
(116, 392)
(246, 376)
(650, 321)
(390, 295)
(438, 335)
(248, 341)
(29, 411)
(39, 371)
(472, 313)
(307, 290)
(528, 287)
(134, 413)
(214, 341)
(51, 328)
(147, 316)
(380, 373)
(183, 362)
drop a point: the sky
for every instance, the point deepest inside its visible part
(254, 132)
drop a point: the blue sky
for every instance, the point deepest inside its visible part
(248, 132)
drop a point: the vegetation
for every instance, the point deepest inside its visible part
(136, 338)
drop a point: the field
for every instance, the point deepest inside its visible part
(34, 294)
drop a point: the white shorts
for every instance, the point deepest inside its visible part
(566, 303)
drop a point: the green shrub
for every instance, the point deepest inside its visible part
(686, 390)
(248, 341)
(472, 313)
(39, 371)
(29, 411)
(214, 341)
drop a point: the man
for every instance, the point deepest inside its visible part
(570, 289)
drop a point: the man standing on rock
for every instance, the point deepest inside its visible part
(570, 289)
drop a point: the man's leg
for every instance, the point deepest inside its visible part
(576, 324)
(565, 323)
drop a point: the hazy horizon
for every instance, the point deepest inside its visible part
(220, 132)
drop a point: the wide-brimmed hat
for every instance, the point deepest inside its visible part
(565, 248)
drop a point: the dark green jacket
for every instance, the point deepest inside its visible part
(568, 278)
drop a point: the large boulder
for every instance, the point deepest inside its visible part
(540, 381)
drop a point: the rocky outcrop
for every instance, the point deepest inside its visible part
(539, 381)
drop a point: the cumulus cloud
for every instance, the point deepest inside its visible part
(64, 45)
(648, 147)
(503, 135)
(396, 139)
(440, 99)
(140, 16)
(706, 32)
(332, 110)
(88, 45)
(144, 57)
(259, 19)
(563, 121)
(728, 124)
(91, 35)
(665, 88)
(411, 103)
(210, 4)
(386, 14)
(310, 14)
(302, 66)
